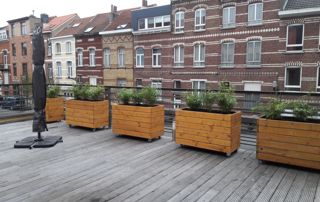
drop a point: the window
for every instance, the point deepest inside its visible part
(255, 14)
(138, 82)
(295, 35)
(199, 55)
(24, 49)
(14, 69)
(254, 52)
(5, 59)
(49, 49)
(121, 82)
(293, 77)
(158, 85)
(141, 24)
(156, 57)
(93, 81)
(106, 57)
(200, 19)
(139, 57)
(198, 85)
(13, 29)
(121, 57)
(50, 71)
(89, 29)
(229, 17)
(68, 47)
(92, 57)
(177, 84)
(3, 35)
(178, 55)
(179, 21)
(154, 22)
(227, 53)
(318, 81)
(69, 66)
(58, 48)
(59, 70)
(80, 57)
(14, 50)
(24, 28)
(25, 70)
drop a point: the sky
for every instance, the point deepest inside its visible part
(13, 9)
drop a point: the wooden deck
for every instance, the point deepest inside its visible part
(99, 166)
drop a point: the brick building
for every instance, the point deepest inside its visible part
(89, 49)
(197, 44)
(21, 48)
(4, 60)
(118, 51)
(51, 29)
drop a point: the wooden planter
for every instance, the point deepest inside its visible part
(54, 109)
(212, 131)
(138, 121)
(89, 114)
(289, 142)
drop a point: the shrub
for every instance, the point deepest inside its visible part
(124, 96)
(272, 110)
(208, 99)
(53, 92)
(302, 110)
(225, 98)
(149, 96)
(94, 93)
(194, 101)
(137, 97)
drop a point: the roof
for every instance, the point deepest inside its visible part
(21, 19)
(97, 24)
(74, 30)
(56, 22)
(123, 21)
(301, 4)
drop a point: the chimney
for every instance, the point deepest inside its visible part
(144, 3)
(113, 13)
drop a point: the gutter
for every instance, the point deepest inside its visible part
(120, 31)
(61, 37)
(299, 12)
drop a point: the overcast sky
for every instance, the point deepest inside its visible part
(13, 9)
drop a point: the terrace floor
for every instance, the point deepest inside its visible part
(100, 166)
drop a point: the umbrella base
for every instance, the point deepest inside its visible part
(34, 142)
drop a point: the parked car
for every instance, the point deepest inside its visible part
(14, 102)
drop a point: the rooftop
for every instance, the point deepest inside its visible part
(301, 4)
(76, 27)
(101, 166)
(56, 22)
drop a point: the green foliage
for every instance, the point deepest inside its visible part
(301, 110)
(137, 97)
(194, 101)
(93, 93)
(225, 98)
(272, 110)
(124, 96)
(53, 92)
(149, 96)
(208, 99)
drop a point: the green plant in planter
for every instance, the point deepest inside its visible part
(208, 99)
(137, 97)
(225, 98)
(272, 110)
(301, 110)
(124, 96)
(53, 92)
(94, 93)
(194, 101)
(149, 96)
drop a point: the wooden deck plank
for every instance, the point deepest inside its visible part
(101, 166)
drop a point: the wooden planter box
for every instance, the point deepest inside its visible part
(289, 142)
(89, 114)
(54, 109)
(138, 121)
(212, 131)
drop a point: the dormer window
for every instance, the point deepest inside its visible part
(154, 22)
(122, 26)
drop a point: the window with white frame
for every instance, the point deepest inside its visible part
(293, 77)
(121, 57)
(179, 21)
(178, 55)
(93, 81)
(295, 37)
(106, 57)
(139, 57)
(49, 49)
(138, 82)
(318, 80)
(24, 28)
(229, 17)
(58, 48)
(200, 19)
(156, 57)
(198, 85)
(255, 14)
(24, 49)
(69, 66)
(177, 84)
(68, 47)
(227, 53)
(59, 69)
(80, 57)
(5, 59)
(121, 82)
(154, 22)
(50, 71)
(254, 52)
(92, 57)
(158, 85)
(199, 55)
(3, 35)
